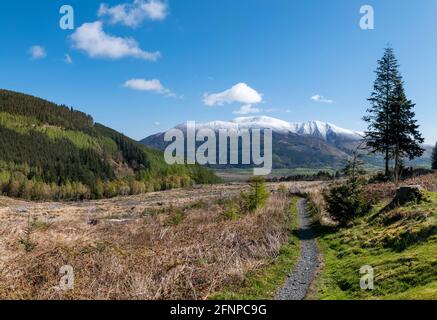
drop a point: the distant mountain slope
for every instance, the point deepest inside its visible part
(312, 144)
(54, 152)
(319, 129)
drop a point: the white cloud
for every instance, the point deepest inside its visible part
(153, 85)
(157, 123)
(156, 9)
(37, 52)
(68, 59)
(240, 93)
(92, 39)
(322, 99)
(247, 109)
(133, 14)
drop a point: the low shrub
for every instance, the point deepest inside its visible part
(347, 201)
(256, 197)
(232, 211)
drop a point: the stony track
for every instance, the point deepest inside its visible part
(298, 283)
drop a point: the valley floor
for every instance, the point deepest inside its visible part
(177, 244)
(186, 244)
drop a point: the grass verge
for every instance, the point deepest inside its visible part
(400, 245)
(264, 283)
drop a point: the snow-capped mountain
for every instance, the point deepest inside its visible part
(324, 130)
(306, 144)
(295, 144)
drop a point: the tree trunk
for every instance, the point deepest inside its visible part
(396, 173)
(387, 169)
(397, 168)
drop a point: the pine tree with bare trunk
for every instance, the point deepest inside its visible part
(378, 118)
(392, 129)
(404, 130)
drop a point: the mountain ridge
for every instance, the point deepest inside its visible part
(313, 127)
(295, 144)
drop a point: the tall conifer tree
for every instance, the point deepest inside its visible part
(378, 118)
(392, 129)
(404, 130)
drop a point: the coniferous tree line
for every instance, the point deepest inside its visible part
(392, 128)
(75, 159)
(54, 161)
(44, 111)
(132, 151)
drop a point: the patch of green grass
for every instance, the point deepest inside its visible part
(402, 251)
(427, 292)
(232, 211)
(176, 216)
(38, 224)
(264, 283)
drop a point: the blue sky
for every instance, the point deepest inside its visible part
(285, 52)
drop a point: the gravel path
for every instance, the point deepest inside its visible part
(299, 281)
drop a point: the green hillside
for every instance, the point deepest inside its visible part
(401, 246)
(52, 152)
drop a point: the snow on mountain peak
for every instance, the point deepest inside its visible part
(319, 129)
(262, 122)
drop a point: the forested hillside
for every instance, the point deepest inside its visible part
(49, 151)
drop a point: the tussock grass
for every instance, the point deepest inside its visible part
(189, 252)
(264, 282)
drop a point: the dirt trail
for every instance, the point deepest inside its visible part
(297, 285)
